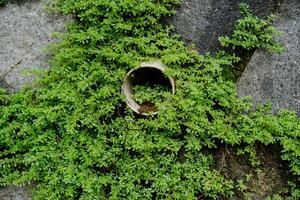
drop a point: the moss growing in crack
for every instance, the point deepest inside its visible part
(252, 32)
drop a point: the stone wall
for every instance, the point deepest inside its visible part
(270, 77)
(14, 193)
(202, 22)
(25, 31)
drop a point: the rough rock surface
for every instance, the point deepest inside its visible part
(25, 30)
(272, 77)
(14, 193)
(202, 22)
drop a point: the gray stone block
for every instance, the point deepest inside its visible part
(270, 77)
(202, 22)
(25, 30)
(14, 193)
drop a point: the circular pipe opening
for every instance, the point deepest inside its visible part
(148, 75)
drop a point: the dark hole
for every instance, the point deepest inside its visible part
(149, 76)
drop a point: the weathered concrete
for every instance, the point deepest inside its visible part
(203, 21)
(25, 30)
(272, 77)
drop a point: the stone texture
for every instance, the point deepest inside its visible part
(202, 22)
(14, 193)
(272, 77)
(25, 30)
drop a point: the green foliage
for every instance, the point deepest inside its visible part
(251, 32)
(74, 138)
(2, 2)
(150, 93)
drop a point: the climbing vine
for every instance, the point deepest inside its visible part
(73, 137)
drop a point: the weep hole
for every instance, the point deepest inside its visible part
(148, 74)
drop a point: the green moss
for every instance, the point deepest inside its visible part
(74, 137)
(150, 93)
(251, 32)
